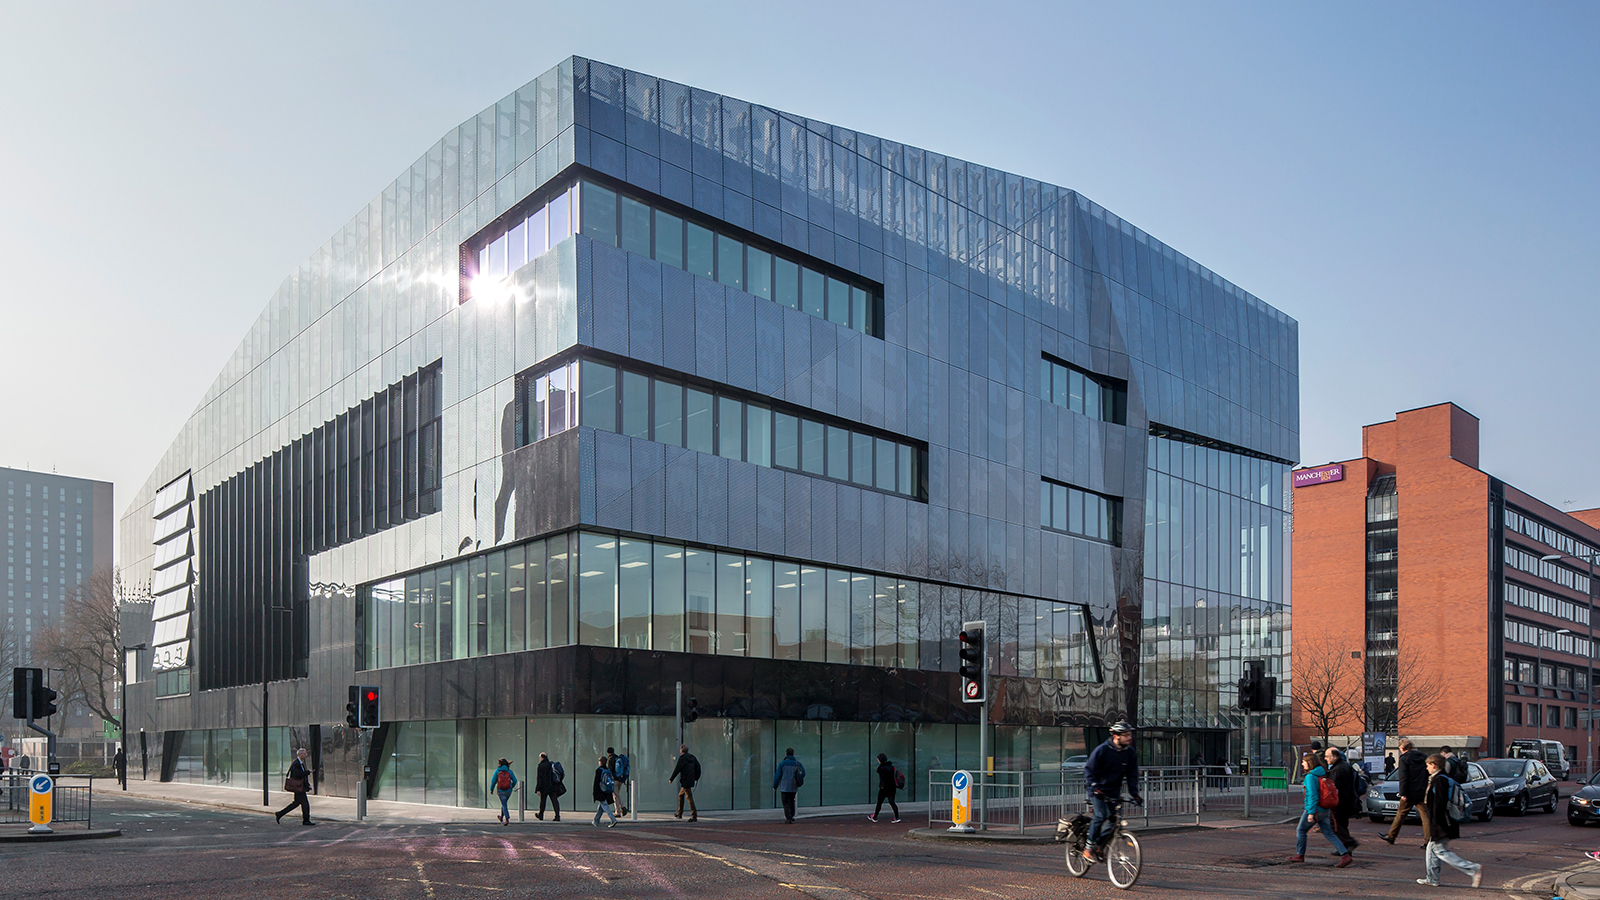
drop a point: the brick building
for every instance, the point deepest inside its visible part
(1423, 574)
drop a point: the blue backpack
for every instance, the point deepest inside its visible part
(607, 783)
(620, 769)
(560, 773)
(1459, 806)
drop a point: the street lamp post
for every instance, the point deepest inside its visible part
(1588, 684)
(124, 718)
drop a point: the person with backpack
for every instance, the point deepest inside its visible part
(889, 781)
(687, 774)
(619, 766)
(1454, 766)
(787, 780)
(1444, 807)
(504, 781)
(1352, 788)
(605, 792)
(1412, 773)
(1321, 798)
(548, 785)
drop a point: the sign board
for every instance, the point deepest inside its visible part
(1374, 744)
(961, 800)
(41, 797)
(1319, 475)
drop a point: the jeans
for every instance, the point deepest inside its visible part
(1323, 823)
(1102, 814)
(788, 805)
(505, 796)
(603, 807)
(1440, 850)
(887, 794)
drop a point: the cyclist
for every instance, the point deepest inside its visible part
(1109, 766)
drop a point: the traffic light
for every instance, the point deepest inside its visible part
(351, 709)
(692, 712)
(1248, 692)
(1257, 692)
(44, 699)
(974, 684)
(19, 690)
(369, 717)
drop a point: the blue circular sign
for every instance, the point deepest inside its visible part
(41, 784)
(959, 782)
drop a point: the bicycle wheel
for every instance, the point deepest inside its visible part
(1076, 864)
(1123, 859)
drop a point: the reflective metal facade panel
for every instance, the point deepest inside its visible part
(987, 278)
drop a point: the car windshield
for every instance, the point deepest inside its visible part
(1503, 768)
(1595, 779)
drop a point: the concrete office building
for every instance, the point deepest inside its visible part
(58, 532)
(626, 384)
(1434, 575)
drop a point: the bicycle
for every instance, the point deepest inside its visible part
(1119, 847)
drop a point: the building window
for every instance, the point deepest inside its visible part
(1572, 717)
(1096, 396)
(1513, 713)
(644, 595)
(716, 419)
(172, 684)
(1552, 716)
(1080, 512)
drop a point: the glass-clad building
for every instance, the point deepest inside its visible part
(626, 385)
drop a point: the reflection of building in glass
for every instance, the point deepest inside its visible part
(625, 385)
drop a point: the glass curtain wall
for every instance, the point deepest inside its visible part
(659, 595)
(1216, 576)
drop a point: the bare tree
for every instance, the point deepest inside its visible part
(10, 656)
(1329, 681)
(87, 644)
(1415, 696)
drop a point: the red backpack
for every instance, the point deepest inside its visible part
(503, 780)
(1327, 792)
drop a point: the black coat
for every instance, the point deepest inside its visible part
(686, 772)
(1435, 810)
(1344, 778)
(298, 769)
(544, 781)
(1412, 773)
(601, 795)
(886, 777)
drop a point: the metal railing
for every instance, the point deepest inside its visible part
(72, 802)
(1020, 800)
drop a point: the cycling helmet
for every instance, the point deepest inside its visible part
(1122, 727)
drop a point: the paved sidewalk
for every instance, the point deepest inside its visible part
(389, 812)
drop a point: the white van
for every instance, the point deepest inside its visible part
(1551, 753)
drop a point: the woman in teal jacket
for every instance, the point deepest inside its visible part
(503, 788)
(1316, 815)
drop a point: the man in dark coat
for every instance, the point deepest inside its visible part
(548, 787)
(1440, 828)
(1344, 778)
(1412, 773)
(299, 776)
(886, 788)
(686, 773)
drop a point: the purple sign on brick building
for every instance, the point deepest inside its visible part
(1319, 475)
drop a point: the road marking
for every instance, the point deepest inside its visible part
(1522, 888)
(422, 879)
(591, 871)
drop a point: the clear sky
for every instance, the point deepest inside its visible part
(1415, 183)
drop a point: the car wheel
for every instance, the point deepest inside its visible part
(1550, 805)
(1488, 811)
(1519, 806)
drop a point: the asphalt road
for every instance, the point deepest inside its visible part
(171, 850)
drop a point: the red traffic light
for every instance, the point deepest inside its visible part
(371, 696)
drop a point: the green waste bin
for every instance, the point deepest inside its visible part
(1273, 778)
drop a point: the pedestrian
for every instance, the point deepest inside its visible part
(1344, 778)
(619, 765)
(1315, 815)
(687, 773)
(548, 786)
(119, 763)
(298, 782)
(787, 780)
(1227, 774)
(887, 785)
(1412, 773)
(1454, 766)
(605, 787)
(504, 781)
(1388, 765)
(1439, 828)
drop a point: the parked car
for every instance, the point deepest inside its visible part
(1520, 784)
(1384, 797)
(1551, 753)
(1584, 806)
(1074, 765)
